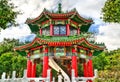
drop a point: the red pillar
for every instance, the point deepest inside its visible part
(29, 66)
(45, 63)
(90, 66)
(40, 31)
(68, 29)
(45, 66)
(85, 71)
(78, 31)
(51, 29)
(74, 62)
(33, 70)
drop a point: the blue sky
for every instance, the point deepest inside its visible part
(109, 33)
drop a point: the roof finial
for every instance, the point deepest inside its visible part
(59, 7)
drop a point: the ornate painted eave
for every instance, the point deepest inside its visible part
(49, 15)
(85, 43)
(85, 20)
(81, 42)
(60, 15)
(29, 21)
(76, 14)
(27, 46)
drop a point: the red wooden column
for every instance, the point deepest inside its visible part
(85, 71)
(33, 70)
(90, 66)
(68, 29)
(74, 61)
(51, 29)
(78, 31)
(45, 62)
(29, 66)
(40, 31)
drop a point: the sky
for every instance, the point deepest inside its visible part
(109, 33)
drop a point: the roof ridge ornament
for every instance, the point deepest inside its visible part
(60, 6)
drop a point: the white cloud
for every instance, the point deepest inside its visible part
(110, 35)
(29, 8)
(89, 8)
(15, 32)
(32, 8)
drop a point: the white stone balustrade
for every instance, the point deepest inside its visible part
(24, 79)
(83, 79)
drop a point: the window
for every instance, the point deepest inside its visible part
(59, 30)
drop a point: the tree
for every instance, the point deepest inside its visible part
(19, 65)
(5, 62)
(111, 71)
(7, 15)
(39, 70)
(111, 11)
(8, 45)
(11, 60)
(100, 61)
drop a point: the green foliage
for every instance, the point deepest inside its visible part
(19, 64)
(5, 62)
(10, 60)
(55, 74)
(114, 62)
(109, 70)
(7, 15)
(8, 45)
(39, 70)
(108, 76)
(111, 11)
(100, 61)
(80, 70)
